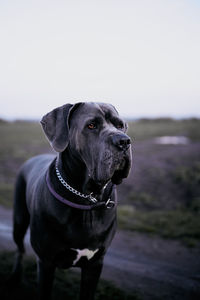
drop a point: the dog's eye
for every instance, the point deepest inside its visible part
(92, 126)
(120, 126)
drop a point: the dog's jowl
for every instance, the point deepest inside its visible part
(69, 200)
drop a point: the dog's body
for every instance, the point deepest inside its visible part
(66, 227)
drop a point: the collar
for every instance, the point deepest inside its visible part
(107, 203)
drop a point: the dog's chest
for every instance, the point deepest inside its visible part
(81, 243)
(74, 239)
(87, 253)
(74, 257)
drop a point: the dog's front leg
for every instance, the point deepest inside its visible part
(89, 280)
(45, 280)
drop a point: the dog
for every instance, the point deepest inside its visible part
(69, 200)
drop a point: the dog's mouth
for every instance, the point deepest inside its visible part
(114, 168)
(122, 169)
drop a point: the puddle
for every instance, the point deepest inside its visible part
(5, 227)
(172, 140)
(5, 231)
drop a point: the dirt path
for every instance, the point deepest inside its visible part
(157, 268)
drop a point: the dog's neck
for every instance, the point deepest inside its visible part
(75, 173)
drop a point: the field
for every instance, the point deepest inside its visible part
(161, 195)
(159, 200)
(164, 186)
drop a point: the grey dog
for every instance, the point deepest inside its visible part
(69, 199)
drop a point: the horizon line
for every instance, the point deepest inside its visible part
(128, 118)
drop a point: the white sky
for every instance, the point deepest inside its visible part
(143, 56)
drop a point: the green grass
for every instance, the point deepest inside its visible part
(188, 180)
(21, 140)
(147, 128)
(176, 224)
(6, 194)
(66, 284)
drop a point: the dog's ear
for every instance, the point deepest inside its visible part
(56, 127)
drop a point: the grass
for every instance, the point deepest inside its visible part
(149, 128)
(176, 224)
(66, 284)
(145, 211)
(188, 179)
(6, 194)
(21, 140)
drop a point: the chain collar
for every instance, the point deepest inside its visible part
(71, 189)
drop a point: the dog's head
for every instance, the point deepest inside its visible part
(96, 134)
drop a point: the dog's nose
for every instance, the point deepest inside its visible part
(122, 141)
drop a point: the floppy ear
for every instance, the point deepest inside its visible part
(56, 127)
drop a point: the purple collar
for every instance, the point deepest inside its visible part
(102, 204)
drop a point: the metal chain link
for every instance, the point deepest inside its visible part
(71, 189)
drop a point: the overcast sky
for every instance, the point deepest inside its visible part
(142, 56)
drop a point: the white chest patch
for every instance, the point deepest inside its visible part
(84, 252)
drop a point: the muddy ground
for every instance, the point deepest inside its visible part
(153, 267)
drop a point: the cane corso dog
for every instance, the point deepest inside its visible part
(69, 199)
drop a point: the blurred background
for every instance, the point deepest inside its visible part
(143, 57)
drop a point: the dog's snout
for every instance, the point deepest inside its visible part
(121, 141)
